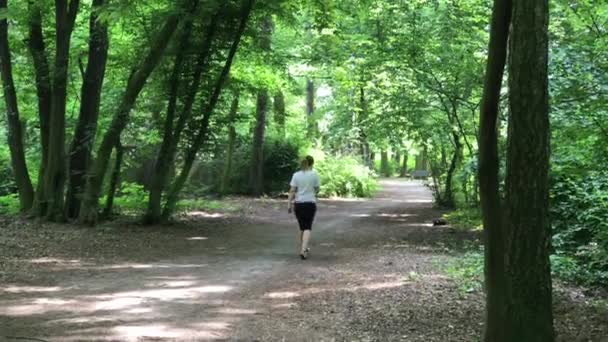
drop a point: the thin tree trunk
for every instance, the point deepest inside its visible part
(55, 173)
(384, 167)
(231, 144)
(114, 181)
(310, 109)
(137, 80)
(15, 130)
(448, 198)
(279, 112)
(44, 91)
(164, 159)
(201, 136)
(404, 166)
(256, 180)
(529, 315)
(86, 129)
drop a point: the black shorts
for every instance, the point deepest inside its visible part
(305, 213)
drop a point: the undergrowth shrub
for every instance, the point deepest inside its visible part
(579, 209)
(345, 177)
(9, 204)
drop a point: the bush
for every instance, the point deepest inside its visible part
(465, 218)
(345, 177)
(579, 212)
(7, 181)
(281, 159)
(9, 204)
(130, 198)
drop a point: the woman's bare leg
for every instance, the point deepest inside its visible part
(305, 240)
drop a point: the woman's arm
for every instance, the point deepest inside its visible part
(290, 198)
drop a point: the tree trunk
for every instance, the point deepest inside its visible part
(231, 143)
(384, 167)
(310, 109)
(256, 180)
(137, 80)
(15, 130)
(397, 157)
(280, 112)
(114, 181)
(448, 198)
(86, 129)
(201, 136)
(55, 173)
(44, 91)
(162, 166)
(404, 166)
(529, 315)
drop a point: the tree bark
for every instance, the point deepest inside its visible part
(529, 315)
(55, 173)
(165, 155)
(280, 112)
(256, 180)
(231, 144)
(86, 129)
(136, 82)
(310, 109)
(15, 130)
(114, 181)
(44, 91)
(201, 136)
(448, 198)
(384, 167)
(404, 166)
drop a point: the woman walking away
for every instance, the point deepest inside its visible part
(305, 185)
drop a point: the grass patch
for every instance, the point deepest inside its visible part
(465, 218)
(9, 205)
(467, 271)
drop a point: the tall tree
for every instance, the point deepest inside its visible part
(165, 158)
(15, 128)
(135, 84)
(55, 173)
(494, 236)
(527, 225)
(518, 277)
(86, 129)
(256, 180)
(37, 48)
(203, 127)
(234, 108)
(173, 131)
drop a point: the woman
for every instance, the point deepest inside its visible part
(305, 185)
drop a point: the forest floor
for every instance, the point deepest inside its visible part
(377, 272)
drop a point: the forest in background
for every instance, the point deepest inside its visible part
(128, 106)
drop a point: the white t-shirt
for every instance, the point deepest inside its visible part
(305, 183)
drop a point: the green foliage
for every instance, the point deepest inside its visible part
(465, 218)
(9, 204)
(7, 182)
(187, 205)
(132, 198)
(345, 177)
(280, 161)
(468, 271)
(580, 221)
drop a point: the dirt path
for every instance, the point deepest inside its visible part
(374, 275)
